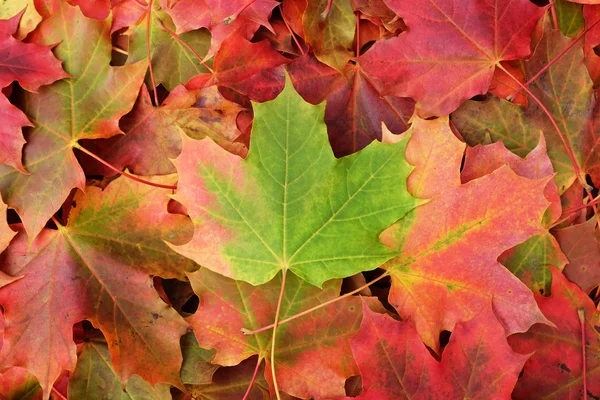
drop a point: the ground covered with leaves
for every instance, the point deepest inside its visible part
(248, 199)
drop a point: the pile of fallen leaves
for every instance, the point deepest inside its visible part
(248, 199)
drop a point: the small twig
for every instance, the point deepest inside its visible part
(274, 337)
(575, 209)
(357, 33)
(325, 13)
(57, 393)
(119, 50)
(554, 16)
(581, 314)
(253, 378)
(125, 174)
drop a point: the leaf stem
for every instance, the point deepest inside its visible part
(187, 46)
(303, 313)
(289, 28)
(325, 12)
(357, 33)
(555, 59)
(119, 50)
(127, 175)
(575, 209)
(274, 337)
(581, 314)
(148, 27)
(57, 393)
(555, 125)
(258, 362)
(553, 12)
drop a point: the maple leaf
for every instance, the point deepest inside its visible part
(153, 134)
(555, 370)
(172, 63)
(69, 275)
(32, 66)
(239, 60)
(86, 106)
(244, 70)
(355, 109)
(95, 378)
(330, 32)
(394, 364)
(313, 354)
(527, 260)
(193, 14)
(449, 247)
(450, 50)
(582, 248)
(290, 204)
(566, 91)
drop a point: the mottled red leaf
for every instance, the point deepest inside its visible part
(528, 260)
(238, 59)
(194, 14)
(582, 247)
(71, 274)
(31, 64)
(555, 370)
(394, 363)
(450, 50)
(355, 108)
(449, 246)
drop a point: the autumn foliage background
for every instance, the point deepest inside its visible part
(405, 189)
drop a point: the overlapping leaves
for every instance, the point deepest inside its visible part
(168, 286)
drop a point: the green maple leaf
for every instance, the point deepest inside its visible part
(291, 204)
